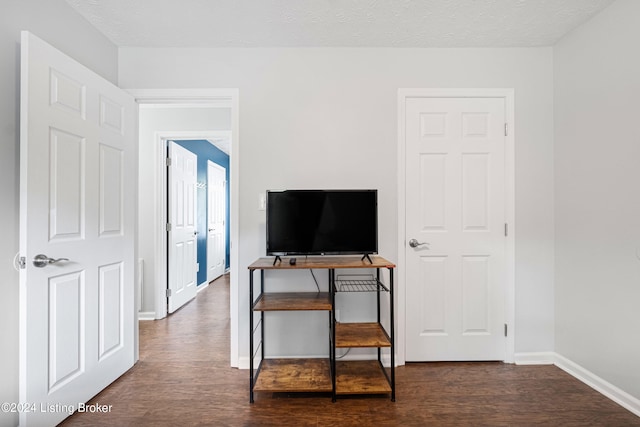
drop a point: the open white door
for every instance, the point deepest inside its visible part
(216, 209)
(183, 254)
(77, 221)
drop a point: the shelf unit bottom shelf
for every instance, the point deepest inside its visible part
(294, 376)
(361, 377)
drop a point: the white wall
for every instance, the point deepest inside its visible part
(55, 22)
(167, 121)
(326, 118)
(597, 172)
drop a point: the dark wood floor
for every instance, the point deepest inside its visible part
(183, 378)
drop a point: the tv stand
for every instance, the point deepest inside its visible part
(367, 257)
(276, 259)
(325, 374)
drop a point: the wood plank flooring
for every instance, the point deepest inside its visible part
(183, 378)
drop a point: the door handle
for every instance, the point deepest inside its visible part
(42, 260)
(414, 243)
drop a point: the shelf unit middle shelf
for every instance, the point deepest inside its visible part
(361, 335)
(293, 301)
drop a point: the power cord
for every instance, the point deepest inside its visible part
(347, 352)
(314, 279)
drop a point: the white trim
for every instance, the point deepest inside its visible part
(214, 137)
(536, 358)
(509, 97)
(191, 97)
(202, 286)
(146, 315)
(221, 103)
(600, 385)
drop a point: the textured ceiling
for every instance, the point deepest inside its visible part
(336, 23)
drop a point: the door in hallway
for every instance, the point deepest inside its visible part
(182, 240)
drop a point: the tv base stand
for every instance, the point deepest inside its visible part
(366, 256)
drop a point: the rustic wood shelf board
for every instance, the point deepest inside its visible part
(361, 335)
(291, 301)
(321, 262)
(361, 377)
(294, 375)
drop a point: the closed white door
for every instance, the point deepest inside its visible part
(455, 212)
(216, 213)
(183, 251)
(77, 218)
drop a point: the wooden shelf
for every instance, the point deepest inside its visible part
(361, 377)
(291, 301)
(361, 335)
(321, 262)
(294, 376)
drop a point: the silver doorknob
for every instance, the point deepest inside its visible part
(414, 243)
(42, 260)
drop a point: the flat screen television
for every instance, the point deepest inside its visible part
(322, 222)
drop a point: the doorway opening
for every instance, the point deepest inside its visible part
(197, 213)
(195, 106)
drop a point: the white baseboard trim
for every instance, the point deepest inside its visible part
(202, 286)
(602, 386)
(243, 362)
(146, 315)
(539, 358)
(605, 388)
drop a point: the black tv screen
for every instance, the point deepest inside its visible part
(322, 222)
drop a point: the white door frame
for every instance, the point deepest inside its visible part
(508, 95)
(183, 98)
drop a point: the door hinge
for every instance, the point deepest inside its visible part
(169, 293)
(168, 162)
(506, 229)
(168, 226)
(506, 129)
(505, 329)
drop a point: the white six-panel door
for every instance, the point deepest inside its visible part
(455, 210)
(77, 215)
(182, 241)
(216, 210)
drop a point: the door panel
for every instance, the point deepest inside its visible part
(455, 184)
(216, 213)
(183, 256)
(77, 317)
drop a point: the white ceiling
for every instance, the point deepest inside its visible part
(337, 23)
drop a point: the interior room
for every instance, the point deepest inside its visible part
(319, 98)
